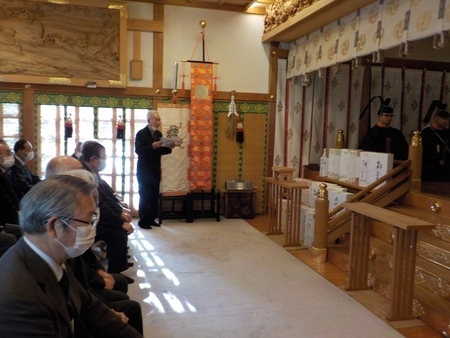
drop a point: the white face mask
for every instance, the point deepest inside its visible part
(8, 162)
(29, 156)
(102, 165)
(78, 154)
(85, 237)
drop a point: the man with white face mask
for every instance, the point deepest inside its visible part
(23, 179)
(39, 294)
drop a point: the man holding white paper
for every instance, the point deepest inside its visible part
(149, 147)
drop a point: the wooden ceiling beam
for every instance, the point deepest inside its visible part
(219, 5)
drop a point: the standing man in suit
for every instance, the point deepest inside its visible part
(39, 294)
(23, 179)
(149, 149)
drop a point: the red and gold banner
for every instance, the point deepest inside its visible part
(201, 126)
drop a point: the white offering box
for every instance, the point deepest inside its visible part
(334, 163)
(348, 165)
(376, 165)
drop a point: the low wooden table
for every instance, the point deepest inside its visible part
(244, 209)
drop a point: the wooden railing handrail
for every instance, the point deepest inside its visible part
(345, 215)
(373, 185)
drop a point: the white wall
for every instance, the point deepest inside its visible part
(232, 40)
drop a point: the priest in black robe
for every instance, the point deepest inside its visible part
(384, 138)
(435, 142)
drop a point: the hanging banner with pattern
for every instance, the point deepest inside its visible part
(201, 126)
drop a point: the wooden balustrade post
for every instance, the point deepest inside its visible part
(415, 155)
(319, 249)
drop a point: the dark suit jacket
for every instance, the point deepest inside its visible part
(149, 159)
(22, 178)
(110, 209)
(33, 305)
(9, 205)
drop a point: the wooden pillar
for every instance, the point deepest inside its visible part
(158, 48)
(319, 248)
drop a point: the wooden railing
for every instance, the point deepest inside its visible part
(329, 226)
(404, 260)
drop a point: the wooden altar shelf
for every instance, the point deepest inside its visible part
(291, 192)
(404, 250)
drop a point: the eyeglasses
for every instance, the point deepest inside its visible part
(93, 221)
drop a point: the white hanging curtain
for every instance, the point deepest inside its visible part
(411, 101)
(423, 17)
(337, 106)
(393, 23)
(376, 90)
(280, 135)
(294, 127)
(307, 123)
(392, 88)
(300, 49)
(348, 26)
(291, 61)
(367, 33)
(314, 51)
(174, 168)
(330, 37)
(318, 115)
(431, 91)
(357, 76)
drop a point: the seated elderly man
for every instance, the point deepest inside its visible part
(115, 221)
(23, 179)
(39, 294)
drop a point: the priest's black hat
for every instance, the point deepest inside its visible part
(438, 108)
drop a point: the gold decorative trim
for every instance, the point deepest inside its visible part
(319, 255)
(442, 231)
(433, 254)
(417, 308)
(60, 2)
(122, 83)
(122, 7)
(59, 80)
(432, 282)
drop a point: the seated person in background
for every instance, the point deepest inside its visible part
(115, 222)
(435, 142)
(9, 206)
(39, 294)
(382, 137)
(23, 179)
(77, 152)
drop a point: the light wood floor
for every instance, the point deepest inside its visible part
(371, 300)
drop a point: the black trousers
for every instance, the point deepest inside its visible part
(148, 201)
(116, 250)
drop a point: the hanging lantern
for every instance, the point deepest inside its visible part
(68, 129)
(120, 129)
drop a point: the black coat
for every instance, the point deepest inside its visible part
(149, 159)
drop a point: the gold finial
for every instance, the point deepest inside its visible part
(202, 24)
(322, 194)
(340, 141)
(416, 140)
